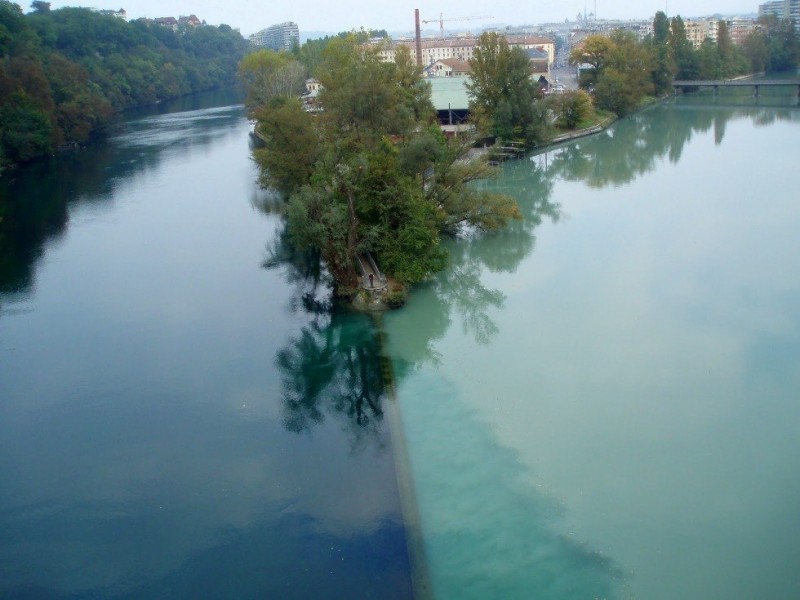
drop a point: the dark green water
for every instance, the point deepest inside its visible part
(177, 420)
(604, 400)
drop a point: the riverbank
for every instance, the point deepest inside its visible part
(601, 126)
(395, 295)
(579, 133)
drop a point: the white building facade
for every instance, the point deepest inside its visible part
(461, 49)
(783, 9)
(282, 36)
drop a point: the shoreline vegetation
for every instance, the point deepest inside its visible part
(368, 172)
(370, 176)
(66, 74)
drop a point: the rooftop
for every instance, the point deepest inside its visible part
(449, 92)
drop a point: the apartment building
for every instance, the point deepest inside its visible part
(783, 9)
(461, 49)
(699, 30)
(282, 36)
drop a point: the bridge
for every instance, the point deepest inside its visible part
(756, 84)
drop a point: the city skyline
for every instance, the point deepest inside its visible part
(249, 16)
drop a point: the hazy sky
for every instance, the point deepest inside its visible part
(398, 15)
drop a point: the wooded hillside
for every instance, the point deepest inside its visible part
(64, 73)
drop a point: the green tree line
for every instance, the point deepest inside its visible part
(506, 103)
(65, 73)
(310, 54)
(624, 70)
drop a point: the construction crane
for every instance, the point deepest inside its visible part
(441, 21)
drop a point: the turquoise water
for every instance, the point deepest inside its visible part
(603, 401)
(599, 402)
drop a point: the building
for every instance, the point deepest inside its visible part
(451, 101)
(461, 49)
(539, 63)
(740, 28)
(777, 8)
(448, 67)
(699, 30)
(783, 9)
(119, 14)
(169, 22)
(310, 98)
(190, 21)
(277, 37)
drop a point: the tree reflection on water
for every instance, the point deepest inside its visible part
(461, 290)
(635, 145)
(332, 367)
(335, 365)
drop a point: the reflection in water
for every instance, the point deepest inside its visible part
(34, 200)
(488, 533)
(302, 270)
(143, 449)
(613, 431)
(461, 288)
(333, 367)
(635, 145)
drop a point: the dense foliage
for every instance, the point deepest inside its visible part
(624, 71)
(502, 94)
(372, 172)
(572, 109)
(310, 54)
(64, 73)
(774, 47)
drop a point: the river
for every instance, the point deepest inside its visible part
(598, 402)
(176, 419)
(602, 401)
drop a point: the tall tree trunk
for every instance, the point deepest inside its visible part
(352, 233)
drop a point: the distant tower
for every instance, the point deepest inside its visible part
(419, 38)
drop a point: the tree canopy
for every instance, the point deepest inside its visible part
(372, 172)
(64, 73)
(772, 46)
(501, 92)
(268, 75)
(624, 71)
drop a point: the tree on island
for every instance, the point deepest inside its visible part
(372, 172)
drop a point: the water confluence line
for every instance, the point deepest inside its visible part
(420, 577)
